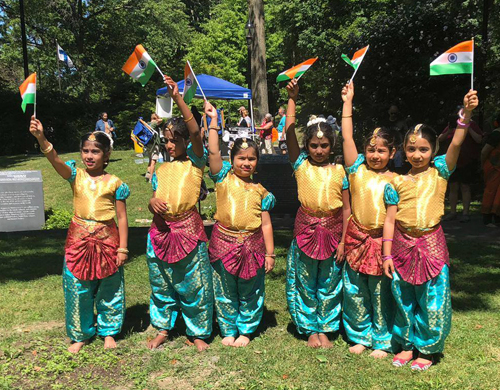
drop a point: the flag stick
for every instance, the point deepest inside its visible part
(472, 73)
(34, 105)
(197, 82)
(58, 69)
(298, 78)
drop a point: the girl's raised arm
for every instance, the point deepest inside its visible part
(214, 157)
(349, 147)
(46, 147)
(470, 103)
(192, 126)
(291, 138)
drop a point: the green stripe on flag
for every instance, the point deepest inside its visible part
(29, 98)
(346, 59)
(282, 77)
(191, 92)
(460, 68)
(148, 72)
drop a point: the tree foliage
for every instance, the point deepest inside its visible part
(99, 35)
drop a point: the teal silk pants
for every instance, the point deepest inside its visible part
(368, 309)
(80, 297)
(314, 292)
(239, 303)
(184, 286)
(423, 316)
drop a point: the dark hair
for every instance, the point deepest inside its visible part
(385, 134)
(312, 130)
(177, 126)
(237, 147)
(102, 141)
(427, 133)
(101, 115)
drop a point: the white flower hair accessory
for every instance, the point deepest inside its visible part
(110, 139)
(316, 121)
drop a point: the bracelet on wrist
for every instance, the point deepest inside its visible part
(341, 243)
(347, 116)
(271, 255)
(122, 250)
(462, 124)
(49, 148)
(213, 128)
(387, 239)
(290, 116)
(189, 119)
(387, 257)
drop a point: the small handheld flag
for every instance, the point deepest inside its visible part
(297, 71)
(356, 60)
(457, 60)
(28, 92)
(190, 84)
(63, 56)
(140, 66)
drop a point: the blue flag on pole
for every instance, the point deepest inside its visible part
(63, 56)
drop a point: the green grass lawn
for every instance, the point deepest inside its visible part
(33, 341)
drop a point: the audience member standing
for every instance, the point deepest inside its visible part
(490, 160)
(105, 124)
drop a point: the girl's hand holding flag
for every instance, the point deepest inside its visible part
(293, 89)
(348, 93)
(173, 91)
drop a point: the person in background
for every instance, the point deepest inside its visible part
(282, 134)
(490, 161)
(467, 166)
(155, 124)
(266, 134)
(105, 124)
(245, 120)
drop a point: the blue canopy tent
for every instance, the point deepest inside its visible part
(215, 88)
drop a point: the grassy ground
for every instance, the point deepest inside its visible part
(33, 342)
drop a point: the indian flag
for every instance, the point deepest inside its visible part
(457, 60)
(140, 66)
(296, 71)
(190, 84)
(356, 58)
(28, 91)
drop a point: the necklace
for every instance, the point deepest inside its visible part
(93, 185)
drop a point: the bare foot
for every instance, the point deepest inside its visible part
(109, 342)
(325, 342)
(228, 341)
(200, 344)
(405, 355)
(357, 349)
(378, 354)
(76, 346)
(158, 340)
(241, 341)
(313, 341)
(424, 359)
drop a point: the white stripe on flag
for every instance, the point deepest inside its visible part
(31, 88)
(453, 58)
(138, 69)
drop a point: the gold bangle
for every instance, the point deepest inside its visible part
(271, 255)
(347, 116)
(122, 250)
(341, 243)
(188, 119)
(49, 148)
(213, 128)
(290, 116)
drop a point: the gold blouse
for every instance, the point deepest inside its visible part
(421, 199)
(239, 204)
(95, 204)
(320, 187)
(179, 185)
(367, 196)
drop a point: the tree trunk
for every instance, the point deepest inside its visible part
(258, 52)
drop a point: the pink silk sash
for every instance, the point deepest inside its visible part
(173, 240)
(242, 253)
(363, 248)
(419, 259)
(90, 249)
(318, 235)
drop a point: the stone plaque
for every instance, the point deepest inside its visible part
(275, 173)
(21, 201)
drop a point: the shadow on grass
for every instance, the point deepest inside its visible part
(8, 162)
(136, 319)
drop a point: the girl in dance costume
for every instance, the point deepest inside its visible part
(95, 248)
(314, 270)
(415, 253)
(179, 269)
(241, 246)
(368, 302)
